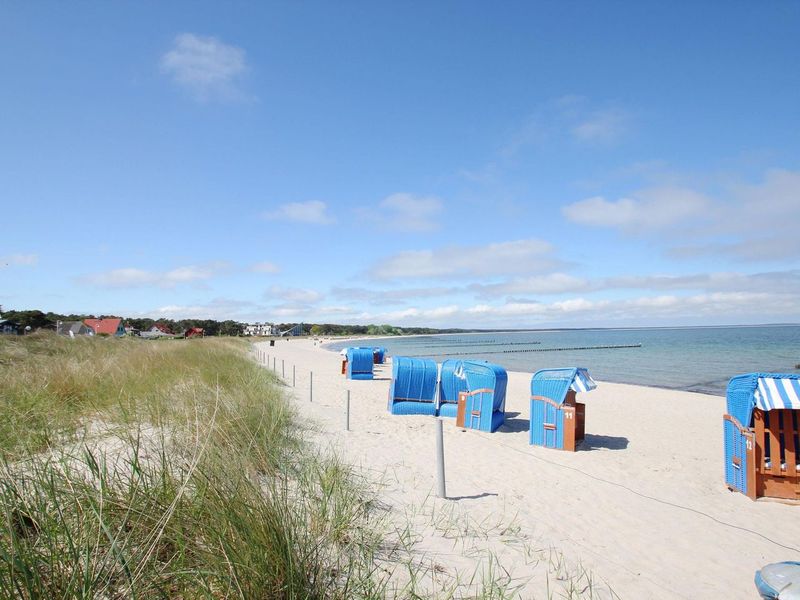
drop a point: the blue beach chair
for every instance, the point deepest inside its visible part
(359, 363)
(761, 435)
(413, 388)
(481, 385)
(557, 420)
(379, 355)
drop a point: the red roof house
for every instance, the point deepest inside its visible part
(162, 328)
(105, 326)
(194, 332)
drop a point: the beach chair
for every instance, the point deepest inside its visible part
(474, 392)
(379, 355)
(557, 419)
(359, 363)
(761, 435)
(413, 388)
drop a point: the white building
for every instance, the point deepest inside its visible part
(260, 329)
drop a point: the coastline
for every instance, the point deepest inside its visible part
(642, 508)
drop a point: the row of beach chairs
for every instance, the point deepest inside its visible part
(474, 393)
(761, 426)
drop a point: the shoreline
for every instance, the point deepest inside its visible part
(641, 508)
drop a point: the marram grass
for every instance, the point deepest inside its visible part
(144, 470)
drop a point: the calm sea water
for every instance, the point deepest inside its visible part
(700, 359)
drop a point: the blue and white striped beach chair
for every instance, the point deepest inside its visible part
(762, 448)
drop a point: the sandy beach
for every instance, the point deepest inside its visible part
(640, 511)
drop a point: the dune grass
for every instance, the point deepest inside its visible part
(142, 470)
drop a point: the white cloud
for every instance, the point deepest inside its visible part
(406, 212)
(744, 221)
(503, 258)
(131, 277)
(293, 295)
(209, 68)
(560, 283)
(754, 306)
(602, 126)
(650, 209)
(398, 296)
(19, 260)
(265, 267)
(313, 211)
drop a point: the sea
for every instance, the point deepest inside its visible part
(697, 359)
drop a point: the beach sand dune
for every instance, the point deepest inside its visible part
(641, 508)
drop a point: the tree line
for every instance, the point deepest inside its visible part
(36, 319)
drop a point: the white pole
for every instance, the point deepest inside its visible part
(440, 488)
(293, 377)
(283, 368)
(347, 410)
(311, 387)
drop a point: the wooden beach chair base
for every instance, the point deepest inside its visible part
(762, 460)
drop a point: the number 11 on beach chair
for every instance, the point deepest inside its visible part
(557, 419)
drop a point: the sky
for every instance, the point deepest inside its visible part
(441, 164)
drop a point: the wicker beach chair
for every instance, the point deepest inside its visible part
(557, 419)
(359, 363)
(413, 388)
(474, 392)
(762, 449)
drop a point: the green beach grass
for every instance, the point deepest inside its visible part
(132, 469)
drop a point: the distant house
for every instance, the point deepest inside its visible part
(130, 330)
(106, 326)
(193, 332)
(8, 327)
(158, 330)
(260, 329)
(160, 327)
(72, 328)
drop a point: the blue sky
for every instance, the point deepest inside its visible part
(527, 164)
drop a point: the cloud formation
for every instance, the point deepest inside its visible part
(655, 208)
(293, 295)
(751, 222)
(207, 67)
(265, 267)
(19, 260)
(406, 212)
(314, 212)
(503, 258)
(131, 277)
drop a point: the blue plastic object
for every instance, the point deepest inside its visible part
(549, 389)
(779, 581)
(379, 355)
(413, 388)
(359, 363)
(485, 385)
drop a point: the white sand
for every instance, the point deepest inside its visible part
(625, 509)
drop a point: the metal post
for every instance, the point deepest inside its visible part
(283, 368)
(347, 410)
(311, 387)
(293, 377)
(440, 489)
(273, 364)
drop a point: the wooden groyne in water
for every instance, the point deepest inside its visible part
(518, 350)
